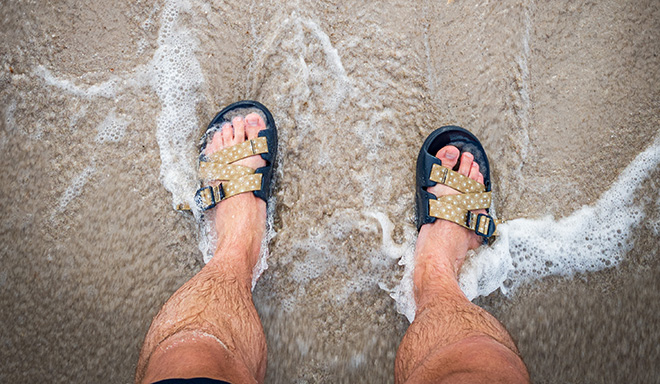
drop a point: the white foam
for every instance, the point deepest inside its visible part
(297, 38)
(176, 76)
(593, 238)
(334, 63)
(75, 187)
(388, 247)
(106, 89)
(10, 123)
(111, 129)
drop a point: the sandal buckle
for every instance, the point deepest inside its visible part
(490, 225)
(205, 198)
(443, 172)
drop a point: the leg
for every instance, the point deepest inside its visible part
(451, 339)
(209, 327)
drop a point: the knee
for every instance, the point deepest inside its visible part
(478, 359)
(196, 354)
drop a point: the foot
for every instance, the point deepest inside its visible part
(442, 245)
(240, 220)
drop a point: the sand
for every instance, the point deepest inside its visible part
(564, 96)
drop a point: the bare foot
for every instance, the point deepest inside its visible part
(239, 220)
(442, 246)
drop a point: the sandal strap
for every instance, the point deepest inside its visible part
(209, 171)
(208, 197)
(445, 176)
(238, 152)
(468, 201)
(458, 209)
(235, 178)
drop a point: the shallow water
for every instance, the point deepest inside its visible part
(102, 109)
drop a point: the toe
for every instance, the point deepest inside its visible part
(239, 129)
(448, 155)
(480, 178)
(227, 135)
(254, 124)
(214, 143)
(465, 164)
(474, 171)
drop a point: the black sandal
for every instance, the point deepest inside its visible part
(473, 195)
(219, 166)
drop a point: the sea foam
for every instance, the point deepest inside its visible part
(593, 238)
(112, 128)
(176, 76)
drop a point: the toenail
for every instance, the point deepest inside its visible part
(252, 120)
(450, 156)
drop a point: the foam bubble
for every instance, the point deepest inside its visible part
(175, 76)
(75, 187)
(111, 129)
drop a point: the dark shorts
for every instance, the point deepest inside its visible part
(197, 380)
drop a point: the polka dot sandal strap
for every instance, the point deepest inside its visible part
(445, 176)
(468, 201)
(237, 152)
(247, 183)
(222, 172)
(208, 197)
(458, 209)
(219, 166)
(235, 178)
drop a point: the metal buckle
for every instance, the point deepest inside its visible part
(254, 152)
(444, 172)
(199, 199)
(491, 225)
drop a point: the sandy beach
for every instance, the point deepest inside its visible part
(102, 107)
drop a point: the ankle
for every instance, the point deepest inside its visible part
(442, 244)
(240, 222)
(232, 266)
(439, 255)
(433, 273)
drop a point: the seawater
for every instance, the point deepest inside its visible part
(593, 238)
(353, 102)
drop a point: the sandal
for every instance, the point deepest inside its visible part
(473, 195)
(219, 166)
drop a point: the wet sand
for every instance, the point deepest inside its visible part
(563, 95)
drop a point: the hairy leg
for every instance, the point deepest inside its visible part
(209, 327)
(452, 340)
